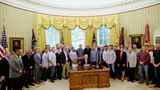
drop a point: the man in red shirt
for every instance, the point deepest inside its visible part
(143, 59)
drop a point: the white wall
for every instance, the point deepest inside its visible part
(18, 23)
(134, 22)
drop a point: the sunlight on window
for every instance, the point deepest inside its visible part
(78, 37)
(52, 36)
(103, 36)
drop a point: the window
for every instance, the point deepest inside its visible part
(78, 37)
(103, 36)
(52, 36)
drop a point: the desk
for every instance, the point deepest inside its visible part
(88, 78)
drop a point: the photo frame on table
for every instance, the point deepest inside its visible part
(16, 42)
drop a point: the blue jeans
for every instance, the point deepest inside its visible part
(52, 72)
(143, 69)
(112, 70)
(111, 67)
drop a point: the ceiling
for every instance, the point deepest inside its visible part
(80, 7)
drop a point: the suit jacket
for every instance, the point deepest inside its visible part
(37, 60)
(124, 58)
(4, 67)
(117, 56)
(87, 51)
(58, 58)
(28, 61)
(16, 65)
(63, 57)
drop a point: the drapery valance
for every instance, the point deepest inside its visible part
(66, 24)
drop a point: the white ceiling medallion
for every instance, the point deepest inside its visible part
(80, 7)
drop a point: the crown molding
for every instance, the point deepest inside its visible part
(91, 10)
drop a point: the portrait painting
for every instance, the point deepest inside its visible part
(137, 39)
(16, 43)
(157, 40)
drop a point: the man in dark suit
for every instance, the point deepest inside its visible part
(28, 66)
(87, 51)
(25, 60)
(4, 70)
(117, 51)
(66, 62)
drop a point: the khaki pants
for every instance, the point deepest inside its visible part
(65, 70)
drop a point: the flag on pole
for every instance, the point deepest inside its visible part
(62, 39)
(94, 38)
(121, 39)
(34, 41)
(146, 34)
(4, 39)
(2, 51)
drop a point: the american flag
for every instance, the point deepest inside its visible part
(3, 45)
(4, 39)
(2, 51)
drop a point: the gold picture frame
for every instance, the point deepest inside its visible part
(137, 39)
(157, 40)
(16, 42)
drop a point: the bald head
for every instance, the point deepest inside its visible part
(130, 49)
(7, 54)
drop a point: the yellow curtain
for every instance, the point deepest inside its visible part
(96, 22)
(39, 31)
(58, 22)
(71, 23)
(66, 24)
(112, 22)
(83, 22)
(88, 35)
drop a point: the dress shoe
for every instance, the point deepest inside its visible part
(52, 81)
(31, 84)
(27, 86)
(147, 83)
(156, 86)
(141, 82)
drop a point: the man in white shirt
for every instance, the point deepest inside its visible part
(73, 56)
(52, 64)
(45, 64)
(109, 57)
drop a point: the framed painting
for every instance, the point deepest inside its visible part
(137, 39)
(16, 42)
(157, 40)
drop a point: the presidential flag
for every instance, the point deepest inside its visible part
(62, 39)
(34, 41)
(94, 38)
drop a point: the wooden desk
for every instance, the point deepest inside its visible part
(88, 78)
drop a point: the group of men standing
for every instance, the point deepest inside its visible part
(18, 70)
